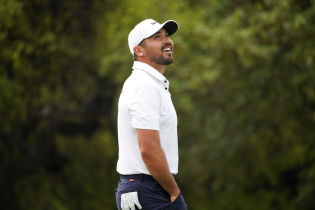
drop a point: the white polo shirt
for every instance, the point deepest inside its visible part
(145, 103)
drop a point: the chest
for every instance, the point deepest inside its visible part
(168, 115)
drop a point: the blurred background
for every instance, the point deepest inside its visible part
(242, 83)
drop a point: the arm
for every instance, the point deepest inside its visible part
(155, 160)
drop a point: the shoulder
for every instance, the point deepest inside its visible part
(139, 80)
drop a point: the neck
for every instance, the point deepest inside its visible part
(158, 67)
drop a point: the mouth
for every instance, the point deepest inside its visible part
(167, 49)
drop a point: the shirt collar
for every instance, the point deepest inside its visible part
(149, 69)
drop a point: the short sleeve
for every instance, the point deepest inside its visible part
(144, 106)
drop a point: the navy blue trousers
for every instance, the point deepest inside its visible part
(150, 193)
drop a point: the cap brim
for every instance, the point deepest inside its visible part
(170, 26)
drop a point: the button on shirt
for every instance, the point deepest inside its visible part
(145, 103)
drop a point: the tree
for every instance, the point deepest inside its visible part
(242, 84)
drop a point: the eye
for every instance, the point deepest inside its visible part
(157, 36)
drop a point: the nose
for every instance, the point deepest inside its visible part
(167, 40)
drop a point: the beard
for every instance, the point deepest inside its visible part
(162, 60)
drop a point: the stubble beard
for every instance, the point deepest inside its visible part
(163, 60)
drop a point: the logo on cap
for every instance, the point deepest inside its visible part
(153, 23)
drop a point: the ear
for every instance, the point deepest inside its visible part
(138, 50)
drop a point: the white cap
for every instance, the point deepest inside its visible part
(146, 29)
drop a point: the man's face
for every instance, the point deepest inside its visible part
(159, 48)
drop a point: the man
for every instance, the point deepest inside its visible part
(147, 124)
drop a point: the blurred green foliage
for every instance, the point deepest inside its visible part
(242, 84)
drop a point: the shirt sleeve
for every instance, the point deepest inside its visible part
(144, 107)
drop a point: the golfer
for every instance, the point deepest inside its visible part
(147, 124)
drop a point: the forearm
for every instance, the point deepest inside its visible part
(158, 167)
(155, 160)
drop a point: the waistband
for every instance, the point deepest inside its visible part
(138, 177)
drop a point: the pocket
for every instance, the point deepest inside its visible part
(177, 199)
(179, 203)
(157, 189)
